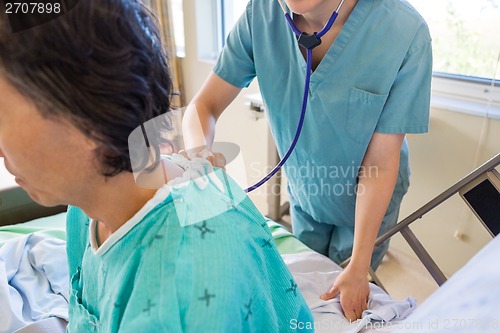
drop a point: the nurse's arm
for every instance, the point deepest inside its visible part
(377, 179)
(198, 124)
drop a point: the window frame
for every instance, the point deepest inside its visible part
(464, 94)
(212, 30)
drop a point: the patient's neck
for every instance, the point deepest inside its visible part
(117, 199)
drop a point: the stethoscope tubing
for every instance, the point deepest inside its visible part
(298, 33)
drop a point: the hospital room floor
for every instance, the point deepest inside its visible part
(401, 274)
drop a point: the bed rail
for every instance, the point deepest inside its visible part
(404, 226)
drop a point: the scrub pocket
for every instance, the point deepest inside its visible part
(80, 319)
(363, 112)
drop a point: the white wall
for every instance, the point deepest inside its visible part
(438, 160)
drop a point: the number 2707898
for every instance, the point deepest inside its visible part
(32, 8)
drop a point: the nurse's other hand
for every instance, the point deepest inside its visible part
(354, 291)
(216, 159)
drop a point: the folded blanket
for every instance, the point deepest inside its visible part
(33, 281)
(315, 274)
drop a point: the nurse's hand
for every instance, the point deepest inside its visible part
(216, 159)
(354, 290)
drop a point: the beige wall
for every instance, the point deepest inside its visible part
(438, 160)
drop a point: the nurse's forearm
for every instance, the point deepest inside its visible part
(198, 127)
(371, 206)
(377, 179)
(198, 124)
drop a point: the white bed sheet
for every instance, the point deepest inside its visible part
(468, 302)
(34, 281)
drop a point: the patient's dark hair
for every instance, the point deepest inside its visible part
(101, 66)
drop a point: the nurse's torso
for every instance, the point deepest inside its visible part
(348, 91)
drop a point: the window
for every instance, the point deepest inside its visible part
(465, 35)
(466, 52)
(215, 19)
(231, 11)
(178, 23)
(466, 48)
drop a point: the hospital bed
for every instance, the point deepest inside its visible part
(52, 223)
(312, 272)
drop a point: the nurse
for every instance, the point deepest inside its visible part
(370, 86)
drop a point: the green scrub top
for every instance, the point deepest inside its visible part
(374, 78)
(168, 272)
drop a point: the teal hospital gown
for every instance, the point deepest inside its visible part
(166, 270)
(375, 77)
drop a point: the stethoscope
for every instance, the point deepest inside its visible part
(308, 42)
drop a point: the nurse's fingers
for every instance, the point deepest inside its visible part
(357, 309)
(332, 293)
(351, 315)
(183, 153)
(216, 159)
(219, 161)
(196, 153)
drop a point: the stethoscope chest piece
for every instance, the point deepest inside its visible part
(307, 41)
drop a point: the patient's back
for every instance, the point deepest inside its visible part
(177, 269)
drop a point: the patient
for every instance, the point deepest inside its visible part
(141, 260)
